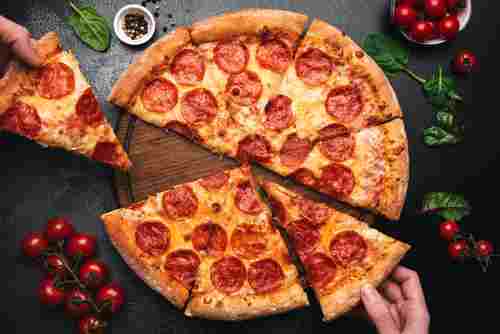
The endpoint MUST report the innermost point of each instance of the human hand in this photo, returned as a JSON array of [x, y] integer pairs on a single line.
[[400, 308], [15, 40]]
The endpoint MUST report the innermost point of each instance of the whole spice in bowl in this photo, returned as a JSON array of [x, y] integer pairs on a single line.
[[135, 25]]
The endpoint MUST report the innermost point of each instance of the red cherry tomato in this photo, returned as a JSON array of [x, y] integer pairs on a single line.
[[111, 293], [465, 62], [49, 294], [90, 324], [81, 244], [452, 4], [458, 249], [59, 229], [484, 248], [93, 273], [421, 31], [448, 229], [449, 26], [55, 266], [405, 16], [77, 303], [34, 244], [435, 8]]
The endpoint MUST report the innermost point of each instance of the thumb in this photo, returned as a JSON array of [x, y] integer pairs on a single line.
[[18, 39], [378, 311]]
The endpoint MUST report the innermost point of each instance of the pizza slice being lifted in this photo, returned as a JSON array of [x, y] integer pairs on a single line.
[[213, 239], [54, 105], [339, 253]]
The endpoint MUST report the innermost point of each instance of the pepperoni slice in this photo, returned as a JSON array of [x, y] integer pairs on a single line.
[[215, 181], [315, 213], [304, 176], [278, 209], [279, 114], [304, 236], [244, 88], [337, 180], [231, 56], [160, 95], [274, 55], [338, 148], [55, 81], [152, 238], [184, 130], [87, 108], [320, 270], [295, 151], [332, 131], [228, 274], [188, 67], [199, 106], [182, 265], [344, 103], [255, 148], [209, 238], [314, 67], [249, 241], [21, 118], [247, 200], [265, 276], [106, 152], [180, 202], [347, 248]]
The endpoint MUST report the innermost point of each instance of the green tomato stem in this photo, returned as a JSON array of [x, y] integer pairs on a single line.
[[414, 76]]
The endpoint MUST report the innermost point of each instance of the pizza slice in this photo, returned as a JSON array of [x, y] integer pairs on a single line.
[[213, 239], [55, 106], [339, 253]]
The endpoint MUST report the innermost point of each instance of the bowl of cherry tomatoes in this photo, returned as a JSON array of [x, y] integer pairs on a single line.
[[430, 22]]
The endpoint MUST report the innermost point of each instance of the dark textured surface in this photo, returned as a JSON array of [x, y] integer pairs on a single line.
[[38, 183]]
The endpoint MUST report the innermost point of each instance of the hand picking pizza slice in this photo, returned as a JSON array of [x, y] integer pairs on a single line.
[[211, 238], [55, 106], [339, 253]]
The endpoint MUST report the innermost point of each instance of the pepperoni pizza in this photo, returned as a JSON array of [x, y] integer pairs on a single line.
[[338, 252], [55, 106], [210, 244], [246, 85]]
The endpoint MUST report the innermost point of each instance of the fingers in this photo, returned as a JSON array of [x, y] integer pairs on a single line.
[[379, 311], [4, 59], [19, 41], [410, 284], [392, 291]]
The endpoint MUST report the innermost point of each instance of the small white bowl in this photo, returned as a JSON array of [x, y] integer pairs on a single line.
[[131, 9], [463, 18]]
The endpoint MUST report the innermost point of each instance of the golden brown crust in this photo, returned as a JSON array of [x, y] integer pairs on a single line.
[[131, 80], [247, 21], [10, 84], [170, 289], [48, 45]]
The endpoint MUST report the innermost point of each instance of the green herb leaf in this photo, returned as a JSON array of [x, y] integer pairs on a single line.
[[92, 28], [446, 205], [445, 120], [389, 54], [441, 92], [436, 136]]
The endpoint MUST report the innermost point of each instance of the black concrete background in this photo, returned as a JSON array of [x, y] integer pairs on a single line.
[[36, 183]]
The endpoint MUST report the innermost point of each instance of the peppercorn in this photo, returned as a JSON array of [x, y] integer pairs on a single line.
[[135, 25]]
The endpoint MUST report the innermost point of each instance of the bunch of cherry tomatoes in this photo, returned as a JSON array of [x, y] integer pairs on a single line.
[[428, 19], [73, 277]]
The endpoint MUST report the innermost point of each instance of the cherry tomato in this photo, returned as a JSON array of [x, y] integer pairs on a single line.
[[465, 62], [421, 31], [49, 294], [111, 293], [90, 324], [55, 266], [59, 229], [458, 249], [435, 8], [449, 26], [93, 273], [34, 244], [484, 248], [452, 4], [81, 244], [405, 16], [77, 303], [448, 229]]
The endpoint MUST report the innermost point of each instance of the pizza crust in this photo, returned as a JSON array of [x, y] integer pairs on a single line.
[[248, 21], [48, 46], [131, 80]]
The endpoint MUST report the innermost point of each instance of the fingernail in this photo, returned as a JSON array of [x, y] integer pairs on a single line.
[[368, 291]]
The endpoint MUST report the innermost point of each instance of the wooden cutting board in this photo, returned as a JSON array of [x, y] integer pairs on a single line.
[[162, 159]]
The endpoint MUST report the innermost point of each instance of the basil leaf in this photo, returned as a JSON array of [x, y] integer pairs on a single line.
[[389, 54], [436, 136], [447, 205], [445, 120], [91, 28], [441, 92]]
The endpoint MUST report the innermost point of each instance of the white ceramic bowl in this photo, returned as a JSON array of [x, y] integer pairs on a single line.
[[463, 18], [130, 9]]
